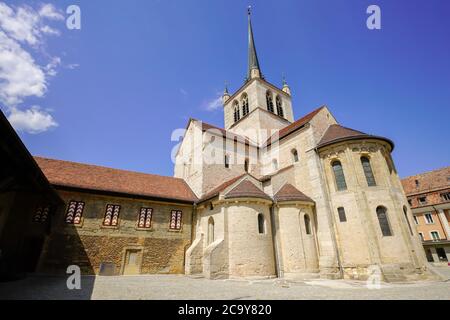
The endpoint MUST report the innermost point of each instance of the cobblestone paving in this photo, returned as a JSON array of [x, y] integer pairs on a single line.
[[184, 287]]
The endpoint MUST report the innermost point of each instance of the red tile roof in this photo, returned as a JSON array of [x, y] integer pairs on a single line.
[[246, 189], [217, 190], [427, 181], [91, 177], [294, 126], [289, 193], [337, 133]]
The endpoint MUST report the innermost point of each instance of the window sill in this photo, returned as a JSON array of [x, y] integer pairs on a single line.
[[109, 227], [175, 230]]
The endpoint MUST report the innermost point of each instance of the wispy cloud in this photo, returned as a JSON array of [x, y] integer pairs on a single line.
[[183, 92], [213, 104], [23, 30]]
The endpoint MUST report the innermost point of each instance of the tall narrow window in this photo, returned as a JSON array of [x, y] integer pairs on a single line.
[[307, 224], [145, 218], [341, 213], [210, 230], [237, 114], [384, 222], [275, 164], [279, 103], [368, 171], [269, 101], [246, 165], [227, 161], [339, 176], [245, 109], [416, 221], [405, 211], [74, 212], [261, 224], [175, 220], [41, 214], [294, 155], [111, 218], [429, 218]]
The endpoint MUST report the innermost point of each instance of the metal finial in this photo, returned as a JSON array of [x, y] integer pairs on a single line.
[[284, 79], [226, 87], [249, 10]]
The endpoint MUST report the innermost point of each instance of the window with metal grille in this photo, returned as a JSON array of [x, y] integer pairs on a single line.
[[269, 101], [341, 213], [41, 214], [175, 220], [74, 212], [111, 218], [145, 218], [339, 176], [368, 171], [384, 222]]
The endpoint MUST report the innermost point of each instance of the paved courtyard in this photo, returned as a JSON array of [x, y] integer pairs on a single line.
[[183, 287]]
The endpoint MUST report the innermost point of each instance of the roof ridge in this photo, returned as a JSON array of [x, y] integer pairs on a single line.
[[104, 167]]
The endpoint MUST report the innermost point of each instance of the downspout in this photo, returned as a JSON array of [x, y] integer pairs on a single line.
[[338, 254]]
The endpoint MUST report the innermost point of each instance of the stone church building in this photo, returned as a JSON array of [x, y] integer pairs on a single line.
[[265, 196]]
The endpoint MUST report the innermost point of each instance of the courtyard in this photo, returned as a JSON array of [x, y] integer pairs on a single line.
[[172, 287]]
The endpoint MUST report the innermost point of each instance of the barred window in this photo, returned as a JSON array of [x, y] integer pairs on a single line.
[[384, 222], [342, 216], [74, 212], [279, 106], [175, 220], [339, 176], [145, 218], [269, 101], [41, 214], [368, 171], [111, 215]]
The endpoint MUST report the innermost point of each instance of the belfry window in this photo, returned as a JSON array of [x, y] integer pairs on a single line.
[[368, 171], [237, 114], [111, 218], [383, 221], [269, 101], [279, 103], [307, 224], [339, 176], [294, 155], [245, 108], [74, 212]]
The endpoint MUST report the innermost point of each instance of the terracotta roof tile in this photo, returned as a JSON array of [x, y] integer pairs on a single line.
[[91, 177], [427, 181], [246, 189], [336, 133], [217, 190], [289, 193]]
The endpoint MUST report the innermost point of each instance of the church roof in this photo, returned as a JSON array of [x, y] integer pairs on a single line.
[[247, 189], [289, 193], [91, 177], [253, 62], [293, 126], [217, 190], [337, 133]]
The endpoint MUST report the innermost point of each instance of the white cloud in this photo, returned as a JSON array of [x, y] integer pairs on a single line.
[[33, 120], [22, 31], [214, 104], [183, 92]]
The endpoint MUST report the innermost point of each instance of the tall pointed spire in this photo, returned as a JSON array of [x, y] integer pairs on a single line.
[[254, 70]]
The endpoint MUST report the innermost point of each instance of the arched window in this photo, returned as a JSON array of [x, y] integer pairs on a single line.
[[279, 103], [210, 230], [245, 109], [269, 101], [384, 222], [368, 171], [405, 211], [274, 164], [237, 114], [261, 224], [227, 161], [339, 175], [294, 155], [307, 224]]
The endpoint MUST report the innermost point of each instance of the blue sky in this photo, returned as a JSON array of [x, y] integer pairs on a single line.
[[139, 69]]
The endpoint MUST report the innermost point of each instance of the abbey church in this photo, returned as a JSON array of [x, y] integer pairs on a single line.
[[265, 196]]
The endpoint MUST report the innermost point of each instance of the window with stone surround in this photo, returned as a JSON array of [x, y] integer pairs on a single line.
[[435, 235], [429, 218], [416, 220], [111, 218], [445, 196], [245, 109], [341, 213], [41, 214], [237, 113], [339, 175], [269, 101], [383, 221], [279, 103], [145, 218], [365, 162], [175, 220], [74, 212]]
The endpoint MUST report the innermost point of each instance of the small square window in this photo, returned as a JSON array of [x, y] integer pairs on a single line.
[[422, 200]]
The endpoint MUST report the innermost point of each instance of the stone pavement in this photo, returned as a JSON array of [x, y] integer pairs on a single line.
[[184, 287]]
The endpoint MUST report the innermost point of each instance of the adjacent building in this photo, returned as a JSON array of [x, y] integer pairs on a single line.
[[429, 198]]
